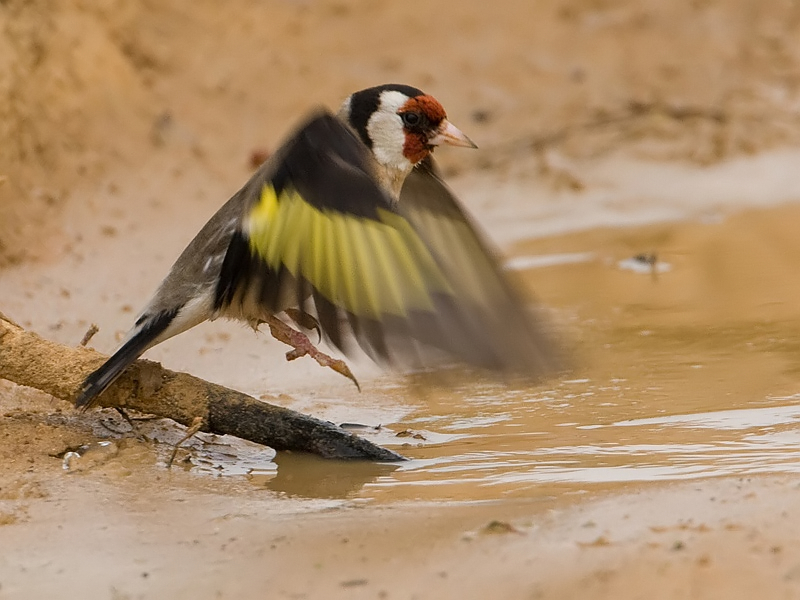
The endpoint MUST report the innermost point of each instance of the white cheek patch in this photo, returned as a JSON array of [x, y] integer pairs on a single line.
[[385, 129]]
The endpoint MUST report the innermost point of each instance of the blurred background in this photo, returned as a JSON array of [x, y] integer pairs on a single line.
[[637, 166], [92, 91]]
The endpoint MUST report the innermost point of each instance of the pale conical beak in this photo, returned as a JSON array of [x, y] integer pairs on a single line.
[[450, 134]]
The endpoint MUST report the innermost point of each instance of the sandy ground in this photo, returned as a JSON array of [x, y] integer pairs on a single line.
[[126, 124]]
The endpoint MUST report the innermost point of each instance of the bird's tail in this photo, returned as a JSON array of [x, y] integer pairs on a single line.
[[148, 329]]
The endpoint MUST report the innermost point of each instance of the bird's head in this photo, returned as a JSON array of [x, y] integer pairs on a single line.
[[400, 124]]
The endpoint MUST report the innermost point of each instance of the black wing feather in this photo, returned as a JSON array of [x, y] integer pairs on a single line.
[[473, 313]]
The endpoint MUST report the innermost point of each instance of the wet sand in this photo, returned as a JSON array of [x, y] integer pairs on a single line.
[[664, 465]]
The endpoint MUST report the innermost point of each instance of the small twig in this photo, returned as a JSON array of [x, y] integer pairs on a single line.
[[650, 259], [89, 334], [124, 415], [633, 111], [193, 429], [127, 419]]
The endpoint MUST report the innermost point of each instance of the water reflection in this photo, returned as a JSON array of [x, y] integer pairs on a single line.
[[309, 476]]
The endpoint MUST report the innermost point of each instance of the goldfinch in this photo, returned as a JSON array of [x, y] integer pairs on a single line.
[[348, 227]]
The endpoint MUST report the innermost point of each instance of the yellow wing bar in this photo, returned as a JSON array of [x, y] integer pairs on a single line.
[[366, 266]]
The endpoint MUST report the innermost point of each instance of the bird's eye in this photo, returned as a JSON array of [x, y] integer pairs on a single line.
[[411, 118]]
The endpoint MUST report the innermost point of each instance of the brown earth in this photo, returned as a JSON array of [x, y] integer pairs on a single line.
[[125, 124], [91, 91]]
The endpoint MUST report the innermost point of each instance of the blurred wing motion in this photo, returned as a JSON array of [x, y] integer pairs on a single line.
[[507, 334], [314, 231], [319, 233]]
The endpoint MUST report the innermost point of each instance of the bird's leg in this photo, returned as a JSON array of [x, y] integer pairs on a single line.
[[304, 320], [301, 346]]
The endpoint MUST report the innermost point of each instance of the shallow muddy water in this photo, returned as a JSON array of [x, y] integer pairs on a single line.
[[683, 369]]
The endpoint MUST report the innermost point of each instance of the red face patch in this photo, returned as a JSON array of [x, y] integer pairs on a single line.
[[416, 145], [428, 106]]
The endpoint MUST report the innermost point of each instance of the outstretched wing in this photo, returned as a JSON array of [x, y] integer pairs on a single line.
[[513, 336], [319, 233]]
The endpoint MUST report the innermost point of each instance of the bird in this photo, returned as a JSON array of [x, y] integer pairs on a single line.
[[349, 229]]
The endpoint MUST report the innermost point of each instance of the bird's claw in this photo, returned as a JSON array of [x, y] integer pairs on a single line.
[[302, 346]]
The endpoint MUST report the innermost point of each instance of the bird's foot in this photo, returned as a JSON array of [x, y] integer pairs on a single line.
[[302, 346]]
